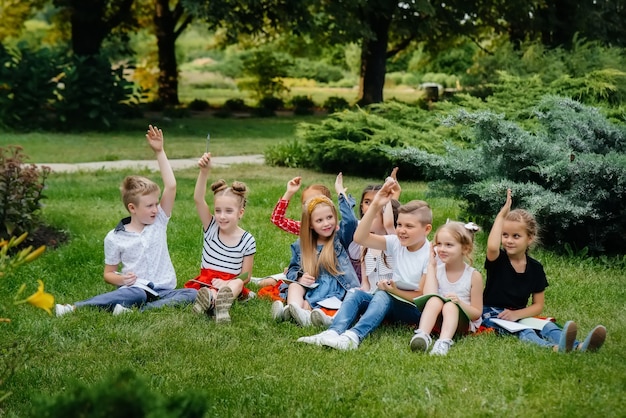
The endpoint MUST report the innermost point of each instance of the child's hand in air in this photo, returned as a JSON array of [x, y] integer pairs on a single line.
[[339, 184], [154, 136], [398, 190], [384, 195], [507, 205], [205, 161], [293, 186]]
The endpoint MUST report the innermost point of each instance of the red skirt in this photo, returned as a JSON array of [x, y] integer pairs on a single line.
[[206, 278]]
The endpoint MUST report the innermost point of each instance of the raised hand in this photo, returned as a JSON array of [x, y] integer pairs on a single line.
[[339, 184], [154, 136]]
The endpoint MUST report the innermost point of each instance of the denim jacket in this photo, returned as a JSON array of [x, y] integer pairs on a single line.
[[348, 277]]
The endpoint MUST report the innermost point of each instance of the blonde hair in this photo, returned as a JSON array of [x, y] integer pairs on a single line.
[[420, 209], [529, 221], [238, 189], [133, 187], [310, 261], [463, 234]]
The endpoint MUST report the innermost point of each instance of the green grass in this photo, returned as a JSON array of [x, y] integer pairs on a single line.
[[185, 138], [255, 367]]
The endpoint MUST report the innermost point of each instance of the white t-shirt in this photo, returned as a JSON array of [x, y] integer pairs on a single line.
[[409, 266], [144, 253]]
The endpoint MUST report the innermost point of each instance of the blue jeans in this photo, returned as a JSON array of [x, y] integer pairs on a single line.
[[548, 337], [134, 296], [373, 310]]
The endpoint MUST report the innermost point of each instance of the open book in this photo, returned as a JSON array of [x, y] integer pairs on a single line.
[[143, 284], [524, 323], [464, 319], [277, 277], [311, 286], [332, 302]]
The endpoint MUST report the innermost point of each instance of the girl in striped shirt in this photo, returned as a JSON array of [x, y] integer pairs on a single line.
[[228, 250]]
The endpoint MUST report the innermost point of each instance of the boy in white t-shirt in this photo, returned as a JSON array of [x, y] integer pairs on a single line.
[[394, 299]]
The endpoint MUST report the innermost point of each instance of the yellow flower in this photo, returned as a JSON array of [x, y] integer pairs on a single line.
[[40, 299]]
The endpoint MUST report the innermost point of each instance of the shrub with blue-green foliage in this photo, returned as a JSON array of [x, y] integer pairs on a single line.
[[570, 172]]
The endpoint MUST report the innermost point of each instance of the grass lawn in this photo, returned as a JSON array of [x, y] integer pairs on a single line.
[[255, 367], [185, 139]]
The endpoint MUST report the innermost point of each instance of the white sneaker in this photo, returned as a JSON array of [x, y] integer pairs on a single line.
[[320, 319], [317, 338], [346, 341], [204, 301], [441, 347], [119, 309], [223, 302], [61, 310], [278, 311], [301, 316], [420, 341]]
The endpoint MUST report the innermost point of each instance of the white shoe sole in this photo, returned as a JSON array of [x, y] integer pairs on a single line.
[[223, 302]]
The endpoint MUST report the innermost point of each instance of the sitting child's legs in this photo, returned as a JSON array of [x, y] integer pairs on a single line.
[[126, 296]]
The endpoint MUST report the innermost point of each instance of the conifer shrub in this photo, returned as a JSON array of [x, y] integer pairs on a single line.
[[570, 172], [358, 142]]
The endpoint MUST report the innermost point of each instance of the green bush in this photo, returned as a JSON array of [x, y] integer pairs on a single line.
[[93, 95], [50, 88], [21, 191], [235, 105], [198, 105], [27, 87], [302, 105], [291, 154], [315, 70], [268, 106], [264, 70], [410, 79], [356, 142], [335, 104], [123, 394], [570, 172]]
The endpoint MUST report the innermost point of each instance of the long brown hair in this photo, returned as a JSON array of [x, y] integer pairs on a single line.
[[310, 262]]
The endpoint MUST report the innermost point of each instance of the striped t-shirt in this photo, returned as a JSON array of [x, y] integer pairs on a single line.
[[220, 257]]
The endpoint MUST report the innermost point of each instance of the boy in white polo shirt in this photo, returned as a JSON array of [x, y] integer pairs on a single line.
[[138, 245]]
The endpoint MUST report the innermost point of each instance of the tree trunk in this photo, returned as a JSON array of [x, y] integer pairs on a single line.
[[88, 27], [374, 62], [165, 23]]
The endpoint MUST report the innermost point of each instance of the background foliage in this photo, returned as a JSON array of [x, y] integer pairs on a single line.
[[570, 172]]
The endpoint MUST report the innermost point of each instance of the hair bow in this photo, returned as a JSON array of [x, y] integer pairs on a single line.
[[472, 227]]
